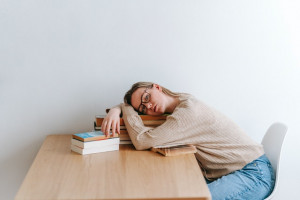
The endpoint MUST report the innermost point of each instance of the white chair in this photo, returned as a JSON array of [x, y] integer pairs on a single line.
[[272, 143]]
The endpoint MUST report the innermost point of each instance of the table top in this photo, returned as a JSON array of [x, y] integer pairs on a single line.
[[59, 173]]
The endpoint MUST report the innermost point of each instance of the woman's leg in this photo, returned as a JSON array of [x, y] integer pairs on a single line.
[[254, 182]]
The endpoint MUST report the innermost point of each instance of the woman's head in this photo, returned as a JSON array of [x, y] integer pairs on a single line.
[[149, 98]]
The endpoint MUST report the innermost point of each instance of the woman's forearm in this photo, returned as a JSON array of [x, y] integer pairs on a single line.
[[144, 137]]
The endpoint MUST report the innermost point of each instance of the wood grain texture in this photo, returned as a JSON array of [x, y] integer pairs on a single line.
[[58, 173]]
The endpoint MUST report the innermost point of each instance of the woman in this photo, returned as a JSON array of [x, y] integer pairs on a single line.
[[235, 167]]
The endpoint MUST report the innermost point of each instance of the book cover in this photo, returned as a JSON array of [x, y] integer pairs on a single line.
[[91, 136], [82, 151], [175, 150], [96, 143]]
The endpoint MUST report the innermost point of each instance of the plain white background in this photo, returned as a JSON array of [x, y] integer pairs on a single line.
[[63, 62]]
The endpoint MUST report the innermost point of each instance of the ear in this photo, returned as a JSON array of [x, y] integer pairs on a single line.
[[156, 86]]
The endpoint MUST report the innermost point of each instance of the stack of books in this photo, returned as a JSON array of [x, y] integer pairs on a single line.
[[94, 142], [148, 120]]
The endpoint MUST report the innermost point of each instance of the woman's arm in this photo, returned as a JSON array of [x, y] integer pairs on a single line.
[[173, 132], [112, 121]]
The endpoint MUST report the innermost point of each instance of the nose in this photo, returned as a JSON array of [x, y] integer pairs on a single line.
[[148, 105]]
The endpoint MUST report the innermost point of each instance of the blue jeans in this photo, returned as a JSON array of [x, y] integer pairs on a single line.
[[254, 182]]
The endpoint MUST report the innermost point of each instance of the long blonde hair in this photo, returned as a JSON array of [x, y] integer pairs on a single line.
[[134, 87]]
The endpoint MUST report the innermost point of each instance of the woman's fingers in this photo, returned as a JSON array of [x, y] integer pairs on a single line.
[[103, 126], [111, 122], [118, 126], [110, 126], [107, 128], [113, 127]]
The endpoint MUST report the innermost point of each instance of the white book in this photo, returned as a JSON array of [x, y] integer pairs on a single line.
[[96, 143], [114, 147]]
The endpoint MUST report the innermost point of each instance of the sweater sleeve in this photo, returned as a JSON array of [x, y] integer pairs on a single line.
[[170, 133]]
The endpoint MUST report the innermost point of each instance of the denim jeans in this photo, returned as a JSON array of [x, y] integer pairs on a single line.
[[254, 182]]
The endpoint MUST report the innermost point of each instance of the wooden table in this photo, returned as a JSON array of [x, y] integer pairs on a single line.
[[58, 173]]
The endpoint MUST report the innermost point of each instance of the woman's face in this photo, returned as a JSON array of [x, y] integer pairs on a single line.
[[150, 101]]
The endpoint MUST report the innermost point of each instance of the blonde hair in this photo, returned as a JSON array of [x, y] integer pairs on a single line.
[[134, 87]]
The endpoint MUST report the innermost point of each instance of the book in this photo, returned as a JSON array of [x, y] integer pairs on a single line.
[[145, 117], [126, 142], [96, 143], [100, 118], [91, 136], [149, 118], [100, 149], [99, 127], [175, 150], [153, 123], [124, 137], [122, 131]]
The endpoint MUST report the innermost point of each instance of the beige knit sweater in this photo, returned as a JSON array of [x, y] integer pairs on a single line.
[[222, 147]]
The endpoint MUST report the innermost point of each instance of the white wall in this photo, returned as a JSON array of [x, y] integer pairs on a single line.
[[63, 62]]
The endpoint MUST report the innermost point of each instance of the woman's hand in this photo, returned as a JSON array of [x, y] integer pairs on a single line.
[[111, 121]]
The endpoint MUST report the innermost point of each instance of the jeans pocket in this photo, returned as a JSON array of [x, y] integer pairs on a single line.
[[253, 169]]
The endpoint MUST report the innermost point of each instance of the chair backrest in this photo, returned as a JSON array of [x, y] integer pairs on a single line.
[[272, 143]]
